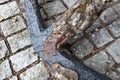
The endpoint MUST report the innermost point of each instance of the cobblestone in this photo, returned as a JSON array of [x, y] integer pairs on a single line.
[[82, 48], [5, 71], [12, 25], [108, 15], [40, 1], [116, 8], [70, 3], [3, 49], [2, 1], [101, 37], [19, 40], [23, 59], [114, 50], [113, 75], [100, 62], [115, 28], [14, 78], [43, 14], [8, 10], [55, 7], [38, 72]]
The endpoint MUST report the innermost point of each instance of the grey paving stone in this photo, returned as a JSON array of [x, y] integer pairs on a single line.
[[3, 49], [9, 9], [117, 8], [40, 1], [100, 62], [23, 59], [5, 71], [12, 25], [14, 78], [54, 8], [114, 50], [49, 22], [43, 14], [82, 48], [2, 1], [114, 76], [108, 15], [94, 26], [19, 40], [118, 69], [101, 37], [115, 28], [37, 72], [70, 3]]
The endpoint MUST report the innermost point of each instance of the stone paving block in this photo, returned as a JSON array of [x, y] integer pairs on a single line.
[[14, 78], [114, 50], [70, 3], [114, 76], [40, 1], [37, 72], [115, 28], [5, 71], [100, 62], [94, 26], [101, 37], [118, 69], [43, 14], [19, 40], [23, 59], [12, 25], [49, 22], [9, 9], [82, 48], [117, 8], [3, 49], [2, 1], [108, 15], [54, 8]]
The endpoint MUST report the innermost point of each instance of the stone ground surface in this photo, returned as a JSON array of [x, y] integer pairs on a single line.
[[99, 50]]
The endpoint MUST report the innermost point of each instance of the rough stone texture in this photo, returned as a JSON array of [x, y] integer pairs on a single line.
[[113, 75], [12, 25], [23, 59], [40, 1], [58, 72], [114, 50], [19, 40], [54, 8], [2, 1], [100, 62], [3, 49], [9, 9], [82, 48], [43, 14], [101, 37], [14, 78], [70, 3], [5, 71], [115, 28], [108, 15], [94, 26], [49, 22], [37, 72], [116, 8]]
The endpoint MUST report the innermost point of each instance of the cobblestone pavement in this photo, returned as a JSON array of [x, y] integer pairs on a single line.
[[18, 61], [99, 47]]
